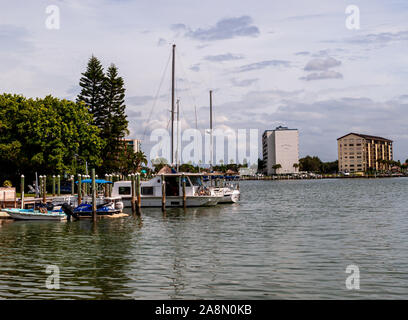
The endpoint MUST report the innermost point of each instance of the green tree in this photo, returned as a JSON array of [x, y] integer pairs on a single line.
[[130, 161], [139, 159], [276, 167], [186, 167], [46, 135], [115, 127], [310, 164], [159, 163], [92, 93]]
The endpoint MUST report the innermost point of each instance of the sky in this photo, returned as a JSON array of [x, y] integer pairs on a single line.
[[269, 63]]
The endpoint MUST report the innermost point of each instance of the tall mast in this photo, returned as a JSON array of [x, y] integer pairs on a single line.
[[172, 104], [178, 133], [211, 132], [195, 112]]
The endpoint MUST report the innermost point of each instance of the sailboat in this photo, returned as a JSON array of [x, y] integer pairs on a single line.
[[151, 193], [230, 192]]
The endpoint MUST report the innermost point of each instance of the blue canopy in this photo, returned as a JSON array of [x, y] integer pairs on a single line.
[[102, 181]]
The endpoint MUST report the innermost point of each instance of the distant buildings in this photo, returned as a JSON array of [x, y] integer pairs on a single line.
[[361, 152], [134, 143], [280, 148]]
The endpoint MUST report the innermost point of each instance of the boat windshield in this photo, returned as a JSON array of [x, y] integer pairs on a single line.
[[196, 181]]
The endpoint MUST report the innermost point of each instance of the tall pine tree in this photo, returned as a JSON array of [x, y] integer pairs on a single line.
[[116, 124], [92, 93], [105, 97]]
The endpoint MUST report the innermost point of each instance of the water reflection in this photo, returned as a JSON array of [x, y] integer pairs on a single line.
[[286, 239]]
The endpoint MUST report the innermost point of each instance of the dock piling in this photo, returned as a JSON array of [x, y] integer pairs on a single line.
[[22, 191], [138, 196], [53, 185], [163, 193], [79, 189], [44, 188], [58, 185], [111, 185], [133, 192], [106, 187], [93, 196], [72, 185], [183, 180]]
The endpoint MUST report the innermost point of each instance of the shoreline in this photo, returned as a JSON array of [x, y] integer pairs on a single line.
[[268, 178]]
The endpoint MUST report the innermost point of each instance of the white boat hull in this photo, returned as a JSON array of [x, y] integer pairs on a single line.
[[201, 201], [229, 196], [35, 216]]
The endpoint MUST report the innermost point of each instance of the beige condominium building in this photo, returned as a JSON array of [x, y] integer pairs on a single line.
[[361, 152], [133, 143], [280, 146]]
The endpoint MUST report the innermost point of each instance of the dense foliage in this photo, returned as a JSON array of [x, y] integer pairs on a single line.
[[49, 135], [314, 164]]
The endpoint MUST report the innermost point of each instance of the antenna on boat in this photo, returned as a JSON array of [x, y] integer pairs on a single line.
[[172, 103]]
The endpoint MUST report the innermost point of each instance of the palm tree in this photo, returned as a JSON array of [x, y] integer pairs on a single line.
[[276, 167], [140, 158], [296, 166]]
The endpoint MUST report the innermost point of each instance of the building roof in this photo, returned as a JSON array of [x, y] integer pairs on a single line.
[[365, 136], [279, 128]]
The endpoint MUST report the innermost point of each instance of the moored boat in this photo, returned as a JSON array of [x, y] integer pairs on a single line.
[[35, 214], [197, 195]]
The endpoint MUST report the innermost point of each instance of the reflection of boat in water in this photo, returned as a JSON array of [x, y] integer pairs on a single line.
[[197, 194], [36, 214]]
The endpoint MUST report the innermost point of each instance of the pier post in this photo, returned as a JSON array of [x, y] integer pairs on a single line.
[[93, 196], [40, 187], [106, 185], [86, 186], [163, 193], [183, 180], [133, 193], [45, 189], [138, 197], [72, 185], [22, 191], [111, 185], [58, 185], [79, 189], [53, 185]]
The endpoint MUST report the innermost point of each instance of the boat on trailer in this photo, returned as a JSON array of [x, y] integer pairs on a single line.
[[197, 194]]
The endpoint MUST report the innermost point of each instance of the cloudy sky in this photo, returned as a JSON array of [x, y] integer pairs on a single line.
[[269, 63]]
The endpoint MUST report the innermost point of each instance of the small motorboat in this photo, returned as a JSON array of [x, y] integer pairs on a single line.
[[36, 214], [85, 209]]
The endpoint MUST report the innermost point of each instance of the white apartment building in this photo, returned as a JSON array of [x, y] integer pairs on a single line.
[[280, 146]]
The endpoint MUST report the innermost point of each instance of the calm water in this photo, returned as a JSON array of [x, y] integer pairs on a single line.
[[285, 240]]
